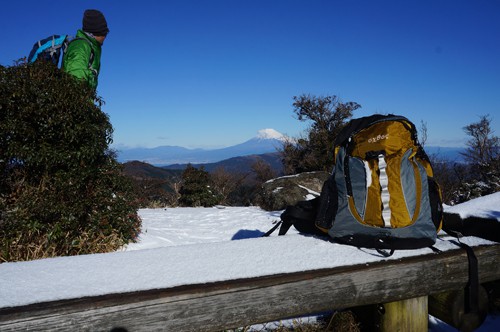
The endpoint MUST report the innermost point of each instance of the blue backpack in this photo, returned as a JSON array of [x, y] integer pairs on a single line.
[[49, 49], [52, 49]]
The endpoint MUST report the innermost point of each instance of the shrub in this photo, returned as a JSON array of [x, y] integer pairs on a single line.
[[483, 156], [197, 189], [61, 189], [327, 117]]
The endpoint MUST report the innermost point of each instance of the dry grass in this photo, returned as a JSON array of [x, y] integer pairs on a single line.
[[25, 247], [344, 321], [340, 321]]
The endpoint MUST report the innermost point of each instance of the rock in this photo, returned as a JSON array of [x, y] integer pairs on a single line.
[[278, 193]]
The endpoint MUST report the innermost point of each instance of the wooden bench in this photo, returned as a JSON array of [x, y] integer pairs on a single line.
[[400, 284]]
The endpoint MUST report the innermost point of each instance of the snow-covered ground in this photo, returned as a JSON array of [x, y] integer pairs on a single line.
[[199, 245]]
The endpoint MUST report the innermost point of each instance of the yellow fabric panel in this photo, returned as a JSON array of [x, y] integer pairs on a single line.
[[399, 211], [427, 166], [373, 211], [388, 136]]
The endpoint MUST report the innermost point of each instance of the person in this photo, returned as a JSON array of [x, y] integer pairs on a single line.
[[82, 58]]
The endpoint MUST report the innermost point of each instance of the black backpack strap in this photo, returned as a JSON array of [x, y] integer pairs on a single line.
[[471, 300], [286, 222], [301, 215], [271, 231], [486, 228], [385, 253], [328, 204]]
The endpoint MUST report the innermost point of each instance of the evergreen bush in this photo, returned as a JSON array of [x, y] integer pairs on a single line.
[[62, 191], [197, 189]]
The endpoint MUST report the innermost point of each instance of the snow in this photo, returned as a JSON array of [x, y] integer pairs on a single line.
[[177, 243], [311, 193], [270, 134], [486, 207]]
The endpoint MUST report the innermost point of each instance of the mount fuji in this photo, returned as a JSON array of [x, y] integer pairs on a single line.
[[266, 141]]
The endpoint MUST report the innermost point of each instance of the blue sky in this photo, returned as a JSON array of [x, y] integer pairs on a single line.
[[212, 73]]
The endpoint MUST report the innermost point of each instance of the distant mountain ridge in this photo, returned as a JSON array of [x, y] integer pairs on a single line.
[[267, 141], [453, 154], [240, 164]]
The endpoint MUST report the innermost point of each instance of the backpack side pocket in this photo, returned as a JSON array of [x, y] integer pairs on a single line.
[[328, 205]]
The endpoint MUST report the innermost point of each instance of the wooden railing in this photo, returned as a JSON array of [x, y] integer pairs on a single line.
[[236, 303]]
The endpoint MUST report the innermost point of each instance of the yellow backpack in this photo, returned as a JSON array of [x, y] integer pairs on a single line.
[[381, 193]]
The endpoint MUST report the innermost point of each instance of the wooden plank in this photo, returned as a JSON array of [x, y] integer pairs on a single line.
[[217, 306], [405, 315]]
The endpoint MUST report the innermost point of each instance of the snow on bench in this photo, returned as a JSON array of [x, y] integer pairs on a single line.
[[217, 285]]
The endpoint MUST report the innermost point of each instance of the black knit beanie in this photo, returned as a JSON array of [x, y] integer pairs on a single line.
[[95, 23]]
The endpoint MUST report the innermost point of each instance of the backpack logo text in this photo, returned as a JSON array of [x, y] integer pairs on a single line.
[[378, 138]]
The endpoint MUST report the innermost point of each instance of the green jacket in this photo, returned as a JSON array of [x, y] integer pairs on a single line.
[[77, 57]]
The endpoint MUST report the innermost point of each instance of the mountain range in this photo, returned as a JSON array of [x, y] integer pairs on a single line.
[[267, 141]]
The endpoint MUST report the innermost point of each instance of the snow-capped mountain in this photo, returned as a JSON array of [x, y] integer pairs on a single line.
[[270, 134], [266, 141]]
